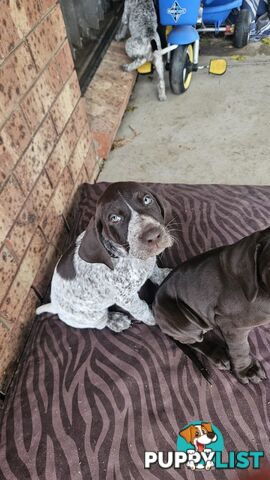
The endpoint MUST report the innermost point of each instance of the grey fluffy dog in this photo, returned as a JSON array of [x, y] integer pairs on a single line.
[[140, 20]]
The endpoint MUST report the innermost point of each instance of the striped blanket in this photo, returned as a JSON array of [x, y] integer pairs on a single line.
[[86, 404], [260, 25]]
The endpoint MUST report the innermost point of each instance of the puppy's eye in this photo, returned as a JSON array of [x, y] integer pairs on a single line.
[[196, 434], [115, 218], [147, 200]]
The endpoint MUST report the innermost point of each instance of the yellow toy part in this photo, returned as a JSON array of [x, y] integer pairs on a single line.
[[145, 69], [217, 66]]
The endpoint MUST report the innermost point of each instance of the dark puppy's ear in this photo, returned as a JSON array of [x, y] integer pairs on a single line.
[[241, 262], [164, 206], [264, 263], [92, 249]]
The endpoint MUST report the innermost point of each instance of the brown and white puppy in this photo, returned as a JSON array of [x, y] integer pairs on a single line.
[[111, 260], [228, 288], [200, 436]]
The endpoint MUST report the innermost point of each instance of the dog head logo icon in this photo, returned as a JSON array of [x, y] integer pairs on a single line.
[[199, 435], [200, 440]]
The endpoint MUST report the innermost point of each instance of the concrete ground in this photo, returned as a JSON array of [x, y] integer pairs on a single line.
[[217, 132]]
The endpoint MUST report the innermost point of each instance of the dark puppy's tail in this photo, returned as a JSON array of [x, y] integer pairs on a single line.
[[190, 353]]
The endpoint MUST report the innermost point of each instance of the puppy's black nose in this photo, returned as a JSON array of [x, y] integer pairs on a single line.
[[210, 434], [151, 235]]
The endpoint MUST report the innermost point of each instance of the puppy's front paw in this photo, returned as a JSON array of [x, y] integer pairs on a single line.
[[162, 97], [150, 319], [118, 321], [255, 373]]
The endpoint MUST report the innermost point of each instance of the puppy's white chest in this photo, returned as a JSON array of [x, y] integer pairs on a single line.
[[131, 274]]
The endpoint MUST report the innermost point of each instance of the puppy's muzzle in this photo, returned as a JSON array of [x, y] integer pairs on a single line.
[[151, 236]]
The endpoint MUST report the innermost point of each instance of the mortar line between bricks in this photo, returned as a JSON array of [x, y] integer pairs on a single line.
[[39, 75], [5, 323], [53, 192], [24, 38], [36, 131]]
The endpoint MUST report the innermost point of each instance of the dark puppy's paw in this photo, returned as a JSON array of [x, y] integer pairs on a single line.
[[255, 373], [220, 358]]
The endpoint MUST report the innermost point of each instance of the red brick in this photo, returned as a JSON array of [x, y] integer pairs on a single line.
[[16, 133], [11, 200], [13, 139], [25, 14], [64, 61], [47, 37], [19, 289], [26, 223], [42, 95], [8, 268], [44, 275], [80, 152], [82, 178], [70, 135], [33, 109], [9, 36], [15, 339], [62, 192], [57, 161], [90, 161], [66, 103], [46, 4], [35, 157], [58, 204], [4, 334], [60, 235], [80, 117], [16, 75], [49, 221]]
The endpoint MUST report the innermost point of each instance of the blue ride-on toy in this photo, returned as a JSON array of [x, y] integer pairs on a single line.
[[226, 16], [184, 20], [183, 40]]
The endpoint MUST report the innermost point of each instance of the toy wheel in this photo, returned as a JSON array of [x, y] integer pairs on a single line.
[[181, 66], [242, 29]]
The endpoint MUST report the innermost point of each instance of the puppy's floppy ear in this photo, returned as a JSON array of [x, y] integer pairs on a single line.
[[241, 262], [164, 205], [188, 433], [92, 249]]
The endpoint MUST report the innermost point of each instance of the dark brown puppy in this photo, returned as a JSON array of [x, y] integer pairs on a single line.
[[228, 288]]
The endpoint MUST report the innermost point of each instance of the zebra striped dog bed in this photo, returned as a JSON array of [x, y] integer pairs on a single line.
[[87, 404]]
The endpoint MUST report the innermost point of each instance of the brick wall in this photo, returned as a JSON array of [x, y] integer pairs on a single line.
[[46, 151]]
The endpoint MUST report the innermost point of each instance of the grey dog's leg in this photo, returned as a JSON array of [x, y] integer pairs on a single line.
[[123, 29], [138, 62], [246, 368], [158, 62], [118, 321], [122, 32]]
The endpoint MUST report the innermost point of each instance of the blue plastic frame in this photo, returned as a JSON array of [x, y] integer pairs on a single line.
[[183, 35]]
